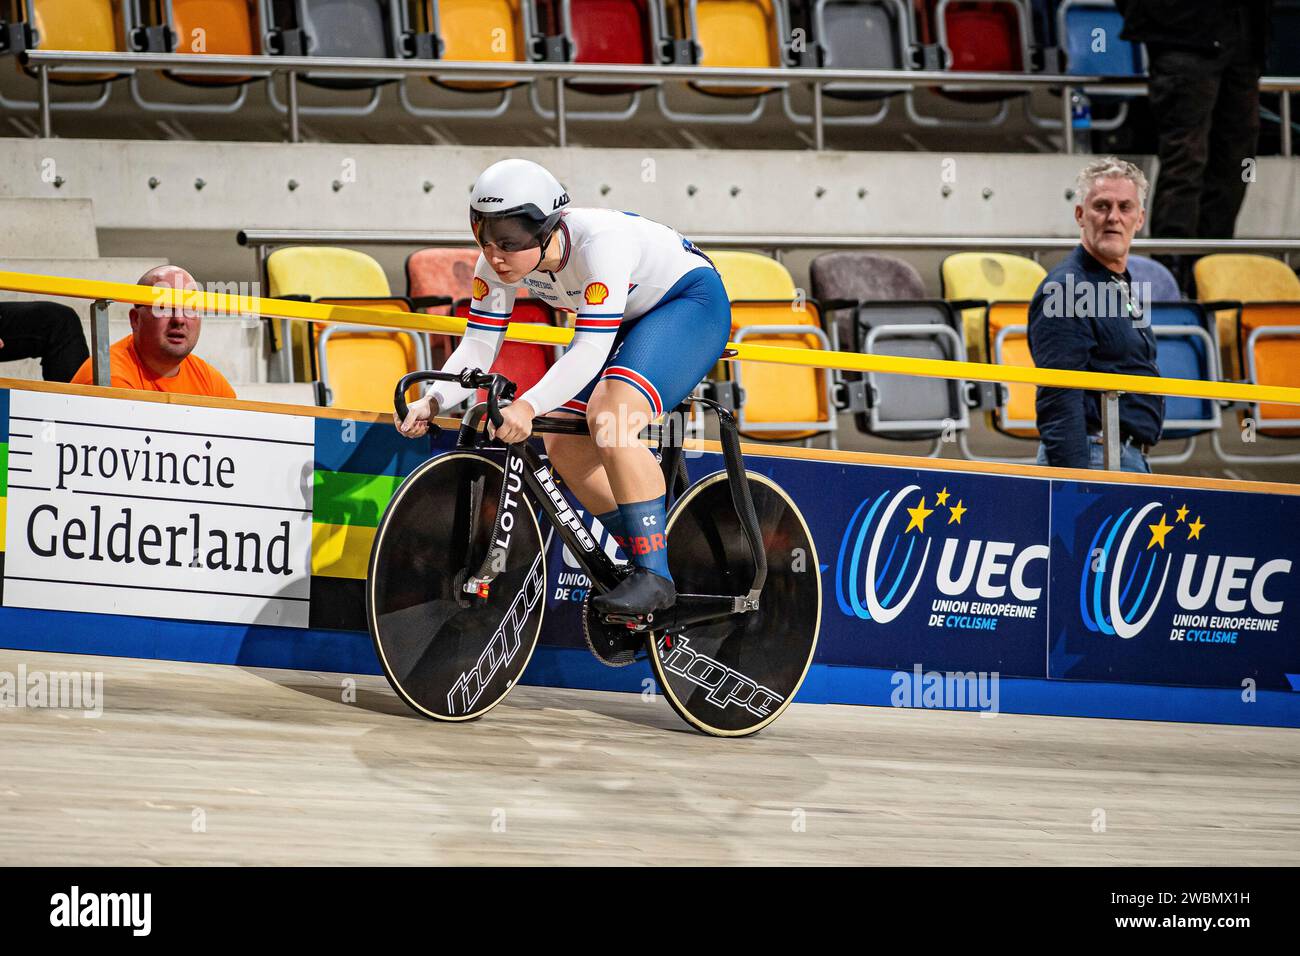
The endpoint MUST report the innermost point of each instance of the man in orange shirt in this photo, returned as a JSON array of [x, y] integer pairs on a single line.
[[156, 357]]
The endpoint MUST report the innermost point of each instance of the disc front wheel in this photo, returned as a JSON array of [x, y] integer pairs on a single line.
[[453, 656]]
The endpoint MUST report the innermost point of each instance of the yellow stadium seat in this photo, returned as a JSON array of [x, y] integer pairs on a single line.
[[777, 394], [1017, 416], [1259, 335], [90, 25], [1232, 277], [481, 30], [1270, 350], [358, 367], [226, 27], [990, 277], [316, 272], [736, 33], [1245, 278], [324, 270], [747, 275], [765, 310]]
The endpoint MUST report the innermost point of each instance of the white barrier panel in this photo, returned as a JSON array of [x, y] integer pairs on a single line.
[[157, 510]]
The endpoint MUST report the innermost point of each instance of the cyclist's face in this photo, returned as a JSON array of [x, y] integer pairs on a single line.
[[510, 245], [511, 265]]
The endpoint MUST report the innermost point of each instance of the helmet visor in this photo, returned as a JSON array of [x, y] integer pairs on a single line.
[[508, 233]]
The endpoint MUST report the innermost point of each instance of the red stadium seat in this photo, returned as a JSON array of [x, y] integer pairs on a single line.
[[439, 273], [601, 31], [521, 362], [975, 36], [983, 37]]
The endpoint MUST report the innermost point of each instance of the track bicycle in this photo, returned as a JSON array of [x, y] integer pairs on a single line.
[[457, 580]]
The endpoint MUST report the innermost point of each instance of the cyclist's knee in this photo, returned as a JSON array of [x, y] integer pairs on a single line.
[[570, 454], [616, 414]]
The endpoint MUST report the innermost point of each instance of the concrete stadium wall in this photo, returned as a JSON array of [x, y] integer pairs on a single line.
[[384, 187]]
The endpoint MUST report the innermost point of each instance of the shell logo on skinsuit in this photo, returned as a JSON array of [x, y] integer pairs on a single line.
[[480, 288], [595, 293]]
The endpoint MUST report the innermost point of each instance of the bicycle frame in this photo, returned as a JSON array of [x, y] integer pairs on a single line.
[[524, 468]]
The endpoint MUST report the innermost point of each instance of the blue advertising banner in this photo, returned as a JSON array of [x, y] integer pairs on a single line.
[[928, 567], [1174, 586], [917, 566]]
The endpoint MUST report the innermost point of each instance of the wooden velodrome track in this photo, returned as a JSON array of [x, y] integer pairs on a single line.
[[212, 764]]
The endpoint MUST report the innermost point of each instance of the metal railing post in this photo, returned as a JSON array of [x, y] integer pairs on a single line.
[[47, 125], [1110, 444], [1286, 122], [1067, 119], [293, 107], [286, 351], [100, 367], [561, 124], [819, 123]]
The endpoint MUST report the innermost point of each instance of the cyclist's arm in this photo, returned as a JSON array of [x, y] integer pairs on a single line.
[[489, 314], [604, 299]]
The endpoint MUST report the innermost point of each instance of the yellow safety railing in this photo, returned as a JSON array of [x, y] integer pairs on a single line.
[[218, 303]]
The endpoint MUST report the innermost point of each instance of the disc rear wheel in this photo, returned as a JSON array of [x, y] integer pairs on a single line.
[[734, 677]]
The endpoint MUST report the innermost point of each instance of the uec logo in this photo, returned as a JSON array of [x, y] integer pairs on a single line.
[[1109, 578], [871, 593]]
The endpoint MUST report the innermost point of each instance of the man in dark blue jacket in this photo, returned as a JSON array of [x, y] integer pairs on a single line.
[[1088, 316]]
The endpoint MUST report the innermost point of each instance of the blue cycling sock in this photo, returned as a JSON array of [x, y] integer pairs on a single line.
[[647, 544], [615, 525]]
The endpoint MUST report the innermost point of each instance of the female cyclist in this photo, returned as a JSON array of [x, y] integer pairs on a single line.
[[652, 319]]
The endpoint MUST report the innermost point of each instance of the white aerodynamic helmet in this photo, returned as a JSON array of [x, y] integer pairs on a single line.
[[516, 204]]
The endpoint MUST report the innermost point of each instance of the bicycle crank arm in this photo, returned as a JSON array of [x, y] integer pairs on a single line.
[[689, 611], [694, 609]]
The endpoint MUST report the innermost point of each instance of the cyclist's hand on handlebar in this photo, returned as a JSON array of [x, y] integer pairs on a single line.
[[417, 420], [516, 422]]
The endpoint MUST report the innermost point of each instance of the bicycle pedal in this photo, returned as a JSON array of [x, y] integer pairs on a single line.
[[616, 641], [635, 622]]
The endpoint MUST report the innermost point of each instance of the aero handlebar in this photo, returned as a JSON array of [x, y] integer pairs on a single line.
[[498, 387]]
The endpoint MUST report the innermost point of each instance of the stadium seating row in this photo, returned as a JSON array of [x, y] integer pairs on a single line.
[[1079, 37], [1245, 327]]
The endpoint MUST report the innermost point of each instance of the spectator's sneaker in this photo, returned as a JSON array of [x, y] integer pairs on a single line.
[[641, 592]]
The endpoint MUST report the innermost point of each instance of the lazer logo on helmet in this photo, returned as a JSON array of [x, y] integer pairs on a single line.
[[563, 511], [503, 647], [976, 583], [486, 199], [1217, 596], [563, 200], [725, 686]]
